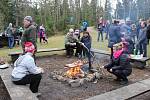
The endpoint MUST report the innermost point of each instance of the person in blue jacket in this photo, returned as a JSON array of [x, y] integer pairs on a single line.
[[114, 35], [85, 25], [86, 40]]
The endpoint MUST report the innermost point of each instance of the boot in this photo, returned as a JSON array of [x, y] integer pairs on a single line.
[[124, 82]]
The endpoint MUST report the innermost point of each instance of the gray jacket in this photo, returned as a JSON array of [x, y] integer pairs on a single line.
[[142, 38]]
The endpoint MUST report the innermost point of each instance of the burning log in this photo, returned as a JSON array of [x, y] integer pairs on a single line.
[[74, 70]]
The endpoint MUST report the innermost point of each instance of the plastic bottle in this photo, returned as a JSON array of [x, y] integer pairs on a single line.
[[134, 52], [138, 53]]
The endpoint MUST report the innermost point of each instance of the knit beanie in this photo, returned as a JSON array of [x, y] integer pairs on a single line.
[[28, 18], [29, 47]]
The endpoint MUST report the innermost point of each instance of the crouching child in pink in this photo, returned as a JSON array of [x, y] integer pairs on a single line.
[[120, 64]]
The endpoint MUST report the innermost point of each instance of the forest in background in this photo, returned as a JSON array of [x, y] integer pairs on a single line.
[[59, 15]]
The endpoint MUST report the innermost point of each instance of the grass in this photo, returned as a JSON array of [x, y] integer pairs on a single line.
[[57, 41]]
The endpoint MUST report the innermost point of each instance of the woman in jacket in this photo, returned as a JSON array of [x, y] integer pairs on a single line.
[[120, 65]]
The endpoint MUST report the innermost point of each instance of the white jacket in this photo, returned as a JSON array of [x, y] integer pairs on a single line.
[[23, 66]]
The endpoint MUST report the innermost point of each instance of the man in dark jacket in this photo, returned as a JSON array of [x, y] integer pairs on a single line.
[[29, 34], [114, 35], [148, 31]]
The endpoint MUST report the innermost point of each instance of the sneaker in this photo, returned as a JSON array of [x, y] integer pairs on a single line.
[[4, 66]]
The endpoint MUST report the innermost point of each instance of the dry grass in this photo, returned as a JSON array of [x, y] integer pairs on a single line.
[[58, 42]]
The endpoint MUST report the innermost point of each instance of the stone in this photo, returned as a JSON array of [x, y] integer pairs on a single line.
[[75, 83], [90, 77], [98, 75]]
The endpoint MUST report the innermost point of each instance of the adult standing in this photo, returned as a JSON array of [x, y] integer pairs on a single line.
[[9, 32], [100, 31], [29, 34], [142, 40], [114, 36], [148, 30]]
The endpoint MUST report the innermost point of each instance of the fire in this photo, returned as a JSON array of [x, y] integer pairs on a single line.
[[74, 69]]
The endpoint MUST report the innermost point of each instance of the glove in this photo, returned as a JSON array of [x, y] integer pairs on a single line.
[[102, 67], [110, 70]]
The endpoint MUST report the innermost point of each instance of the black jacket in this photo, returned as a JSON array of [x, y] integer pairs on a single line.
[[148, 32], [120, 63]]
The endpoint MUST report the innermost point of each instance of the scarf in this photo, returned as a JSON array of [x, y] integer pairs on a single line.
[[117, 53]]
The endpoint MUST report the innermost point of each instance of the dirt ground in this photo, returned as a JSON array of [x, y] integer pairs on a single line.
[[56, 90]]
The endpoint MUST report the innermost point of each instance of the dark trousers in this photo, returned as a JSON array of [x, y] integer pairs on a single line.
[[32, 79], [111, 55], [121, 74], [143, 49], [100, 33], [10, 42], [70, 51], [44, 39]]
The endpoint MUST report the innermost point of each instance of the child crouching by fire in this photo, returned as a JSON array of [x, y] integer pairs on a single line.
[[120, 65]]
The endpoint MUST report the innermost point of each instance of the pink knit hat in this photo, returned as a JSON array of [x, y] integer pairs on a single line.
[[29, 47]]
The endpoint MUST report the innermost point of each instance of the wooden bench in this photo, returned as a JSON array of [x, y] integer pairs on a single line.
[[140, 63], [16, 92], [15, 55], [100, 51], [126, 92]]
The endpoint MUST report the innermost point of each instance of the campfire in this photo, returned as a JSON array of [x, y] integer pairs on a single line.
[[75, 75], [74, 70]]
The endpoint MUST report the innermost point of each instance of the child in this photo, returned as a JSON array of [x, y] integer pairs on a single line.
[[86, 40], [120, 65], [45, 38]]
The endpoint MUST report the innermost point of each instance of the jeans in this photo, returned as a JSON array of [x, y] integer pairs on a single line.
[[143, 49], [10, 42]]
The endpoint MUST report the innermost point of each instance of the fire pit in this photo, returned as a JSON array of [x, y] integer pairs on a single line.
[[61, 90], [76, 74]]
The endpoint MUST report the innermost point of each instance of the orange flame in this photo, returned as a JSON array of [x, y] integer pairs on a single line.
[[74, 70]]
